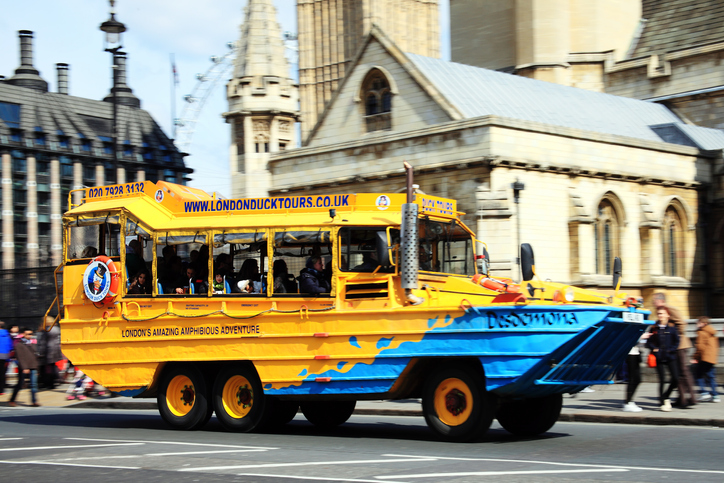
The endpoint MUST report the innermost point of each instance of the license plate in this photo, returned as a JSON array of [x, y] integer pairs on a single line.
[[633, 317]]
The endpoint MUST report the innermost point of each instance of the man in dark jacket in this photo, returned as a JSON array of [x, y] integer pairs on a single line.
[[27, 367], [664, 342], [311, 279]]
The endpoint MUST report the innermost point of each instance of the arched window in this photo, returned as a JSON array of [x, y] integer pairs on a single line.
[[607, 228], [377, 97], [673, 242]]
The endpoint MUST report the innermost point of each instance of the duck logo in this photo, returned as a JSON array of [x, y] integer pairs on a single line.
[[382, 202], [96, 281]]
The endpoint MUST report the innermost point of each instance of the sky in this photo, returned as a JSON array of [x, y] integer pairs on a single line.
[[68, 31]]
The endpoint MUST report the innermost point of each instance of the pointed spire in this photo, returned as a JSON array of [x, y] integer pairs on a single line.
[[261, 49]]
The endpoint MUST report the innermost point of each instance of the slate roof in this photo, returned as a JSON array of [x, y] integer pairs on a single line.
[[78, 118], [475, 92], [676, 24]]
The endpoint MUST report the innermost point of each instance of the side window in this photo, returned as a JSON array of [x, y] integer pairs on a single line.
[[182, 263], [445, 247], [302, 262], [93, 235], [240, 263], [139, 259], [358, 249]]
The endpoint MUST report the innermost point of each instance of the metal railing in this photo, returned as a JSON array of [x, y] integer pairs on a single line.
[[25, 294]]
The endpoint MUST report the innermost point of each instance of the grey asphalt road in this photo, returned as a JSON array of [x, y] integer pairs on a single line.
[[46, 444]]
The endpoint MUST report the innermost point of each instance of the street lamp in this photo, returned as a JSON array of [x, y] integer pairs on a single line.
[[517, 188], [113, 29]]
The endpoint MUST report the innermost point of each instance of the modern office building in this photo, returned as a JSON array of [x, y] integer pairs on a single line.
[[52, 143]]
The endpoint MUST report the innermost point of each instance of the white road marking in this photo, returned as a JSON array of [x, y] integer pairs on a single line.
[[31, 448], [553, 463], [23, 462], [501, 473], [161, 454], [211, 445], [315, 478], [9, 439], [308, 463]]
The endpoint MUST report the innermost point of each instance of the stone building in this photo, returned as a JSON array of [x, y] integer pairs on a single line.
[[263, 101], [52, 143], [604, 176], [664, 51], [331, 33]]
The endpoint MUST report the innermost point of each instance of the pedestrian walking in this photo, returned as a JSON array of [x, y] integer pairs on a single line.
[[687, 393], [27, 367], [663, 342], [6, 352], [633, 367], [48, 355], [78, 387], [707, 353]]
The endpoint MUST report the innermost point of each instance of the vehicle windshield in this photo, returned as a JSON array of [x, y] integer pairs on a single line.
[[93, 235], [445, 248]]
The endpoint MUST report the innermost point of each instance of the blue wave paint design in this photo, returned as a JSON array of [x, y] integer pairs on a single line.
[[353, 342], [384, 342], [509, 341]]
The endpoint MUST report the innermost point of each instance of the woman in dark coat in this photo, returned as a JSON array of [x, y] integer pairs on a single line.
[[311, 279], [664, 342]]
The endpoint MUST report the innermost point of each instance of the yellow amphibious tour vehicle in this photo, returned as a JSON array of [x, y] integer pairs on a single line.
[[255, 308]]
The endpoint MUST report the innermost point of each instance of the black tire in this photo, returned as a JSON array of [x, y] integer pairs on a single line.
[[328, 414], [239, 398], [530, 417], [278, 413], [456, 405], [183, 398]]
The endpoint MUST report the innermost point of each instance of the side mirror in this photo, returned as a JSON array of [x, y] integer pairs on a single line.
[[527, 261], [484, 262], [616, 273], [381, 248]]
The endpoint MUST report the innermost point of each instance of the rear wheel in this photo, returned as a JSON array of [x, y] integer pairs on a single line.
[[182, 398], [328, 414], [456, 405], [529, 417], [279, 412], [238, 398]]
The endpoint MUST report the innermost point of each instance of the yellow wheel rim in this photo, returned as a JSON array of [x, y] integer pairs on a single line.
[[180, 395], [238, 397], [453, 402]]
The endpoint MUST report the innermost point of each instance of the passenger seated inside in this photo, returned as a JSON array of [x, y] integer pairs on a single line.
[[198, 284], [134, 257], [174, 278], [424, 259], [89, 252], [369, 260], [283, 281], [311, 278], [141, 284], [249, 278], [218, 285]]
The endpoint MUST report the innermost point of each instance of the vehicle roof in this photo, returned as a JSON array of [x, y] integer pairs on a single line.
[[167, 206]]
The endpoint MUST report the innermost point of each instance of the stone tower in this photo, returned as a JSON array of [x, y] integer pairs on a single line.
[[263, 101], [561, 41], [331, 32]]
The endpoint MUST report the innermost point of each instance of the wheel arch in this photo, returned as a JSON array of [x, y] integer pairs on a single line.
[[412, 379]]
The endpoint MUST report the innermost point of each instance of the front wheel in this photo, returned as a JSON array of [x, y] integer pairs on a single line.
[[530, 417], [328, 414], [238, 398], [456, 405], [182, 398]]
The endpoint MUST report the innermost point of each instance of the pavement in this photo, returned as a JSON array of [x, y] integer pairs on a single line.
[[604, 405]]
